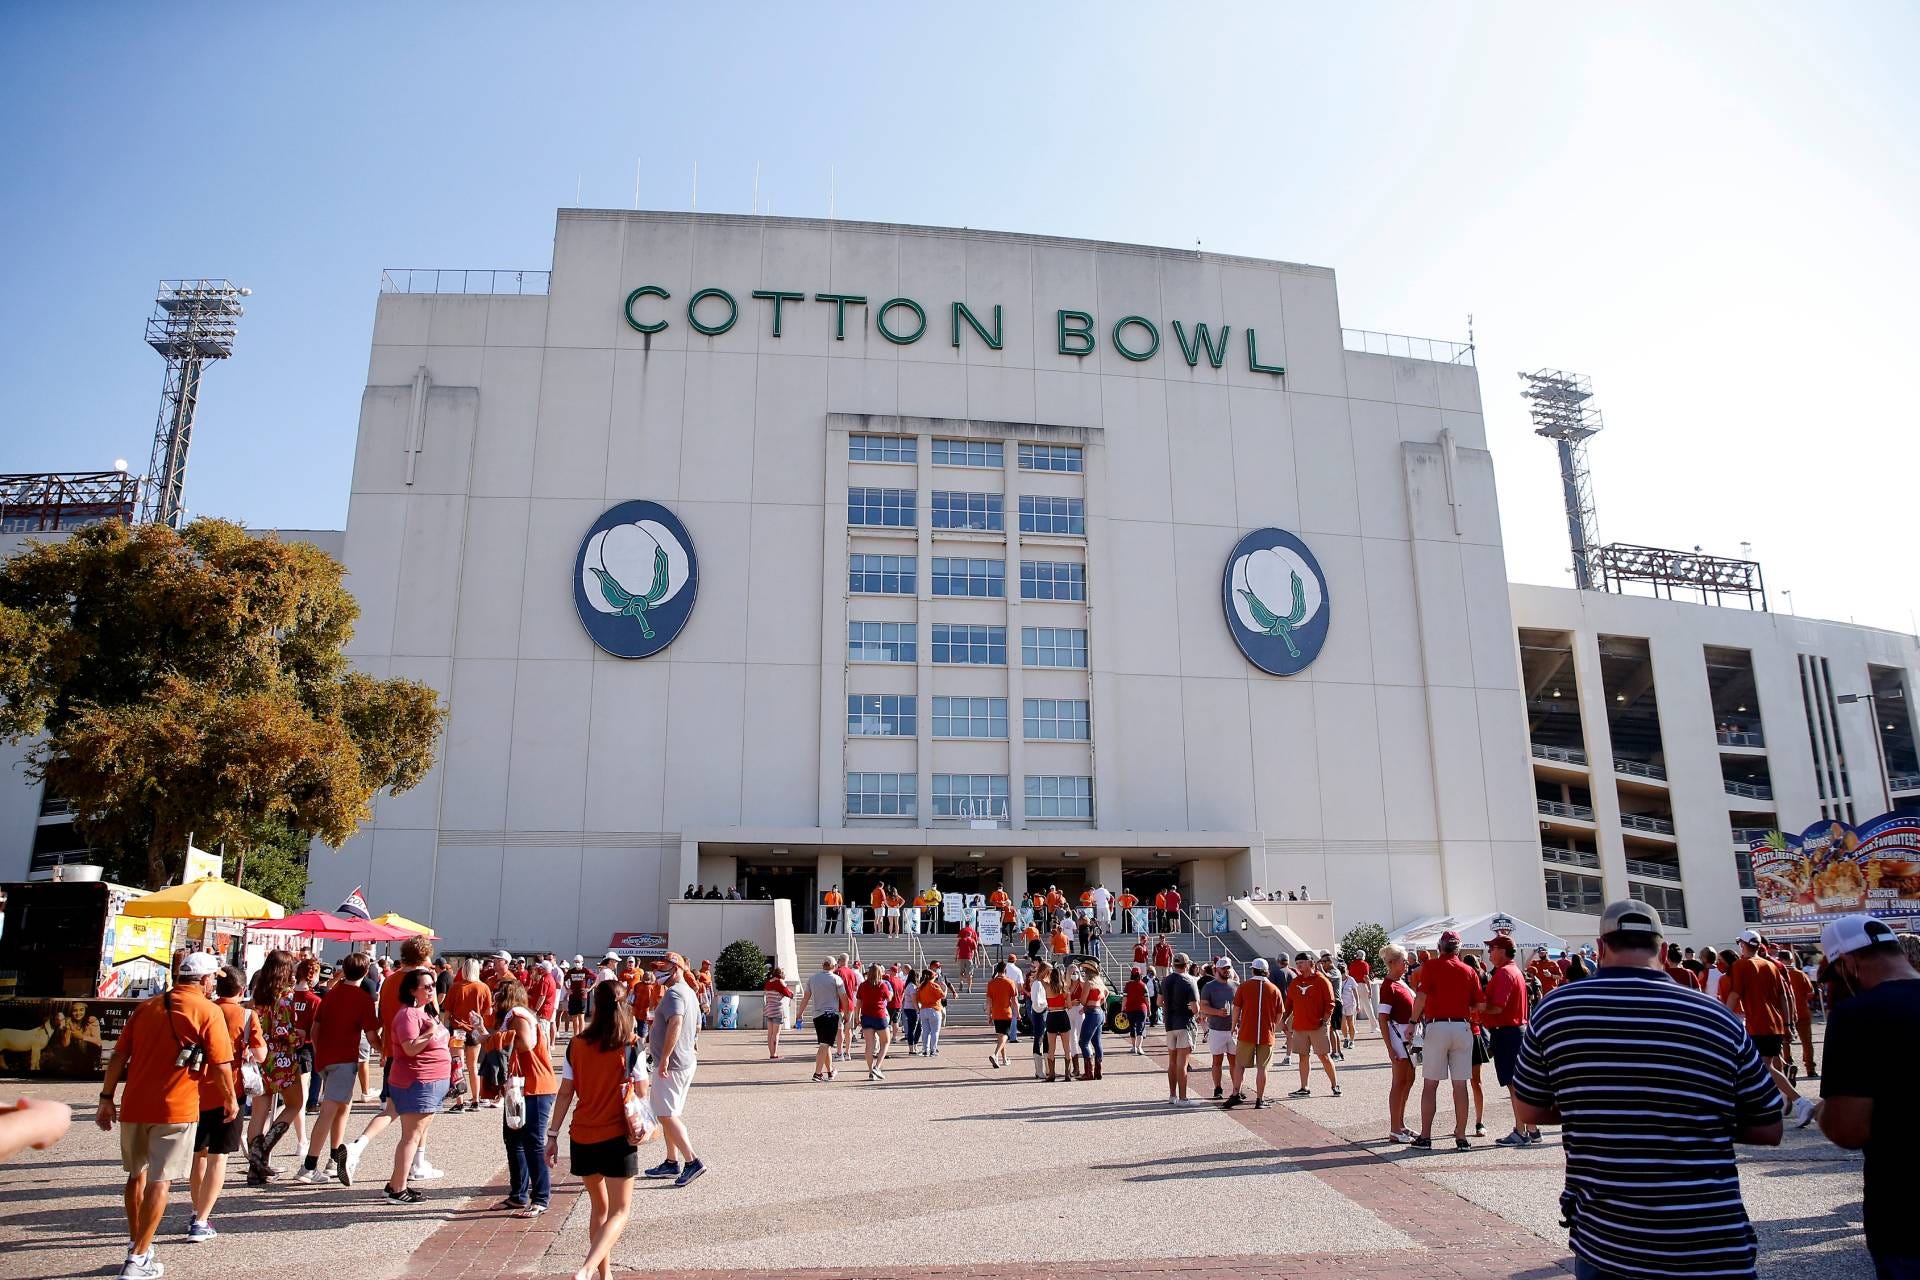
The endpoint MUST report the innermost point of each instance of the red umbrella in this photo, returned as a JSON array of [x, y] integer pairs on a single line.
[[315, 923]]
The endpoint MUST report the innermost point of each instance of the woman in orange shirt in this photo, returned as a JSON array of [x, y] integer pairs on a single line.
[[931, 999], [1093, 1018], [1059, 1021], [596, 1075], [528, 1186]]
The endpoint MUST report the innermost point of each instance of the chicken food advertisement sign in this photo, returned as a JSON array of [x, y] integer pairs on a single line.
[[1836, 869]]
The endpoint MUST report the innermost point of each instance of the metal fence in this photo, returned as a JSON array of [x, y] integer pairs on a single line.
[[1640, 822], [1556, 809], [1567, 755], [463, 280], [1638, 770], [1437, 350]]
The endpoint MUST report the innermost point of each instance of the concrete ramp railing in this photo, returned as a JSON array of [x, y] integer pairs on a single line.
[[1269, 936]]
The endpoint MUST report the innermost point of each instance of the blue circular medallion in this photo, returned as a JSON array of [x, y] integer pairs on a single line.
[[635, 579], [1276, 601]]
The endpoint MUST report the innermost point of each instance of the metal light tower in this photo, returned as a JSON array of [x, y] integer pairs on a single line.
[[1561, 414], [193, 321]]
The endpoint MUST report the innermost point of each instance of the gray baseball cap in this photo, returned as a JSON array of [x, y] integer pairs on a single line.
[[1630, 915]]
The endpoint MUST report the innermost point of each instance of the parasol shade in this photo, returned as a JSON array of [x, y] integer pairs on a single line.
[[413, 928], [205, 900], [322, 924]]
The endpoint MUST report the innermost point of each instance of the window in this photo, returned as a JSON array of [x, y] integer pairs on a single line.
[[976, 644], [865, 448], [1053, 646], [1667, 899], [1057, 720], [1750, 910], [1050, 457], [1567, 891], [960, 576], [983, 511], [881, 642], [880, 715], [1042, 514], [881, 508], [1743, 867], [969, 717], [1050, 797], [881, 795], [881, 575], [969, 453], [969, 795], [1051, 580]]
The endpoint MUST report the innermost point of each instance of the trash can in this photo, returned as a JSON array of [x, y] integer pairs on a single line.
[[729, 1013]]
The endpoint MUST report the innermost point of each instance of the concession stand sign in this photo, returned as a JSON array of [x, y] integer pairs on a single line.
[[1836, 869]]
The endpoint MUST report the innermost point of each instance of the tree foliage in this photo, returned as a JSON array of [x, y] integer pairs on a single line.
[[272, 862], [1365, 941], [192, 682], [742, 966]]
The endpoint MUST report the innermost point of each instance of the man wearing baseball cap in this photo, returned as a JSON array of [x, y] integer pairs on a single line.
[[1756, 989], [1449, 989], [670, 1042], [1872, 1036], [1652, 1085]]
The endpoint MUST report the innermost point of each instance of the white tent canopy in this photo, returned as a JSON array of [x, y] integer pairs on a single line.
[[1474, 930]]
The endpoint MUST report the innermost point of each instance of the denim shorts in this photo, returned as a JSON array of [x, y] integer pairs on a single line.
[[421, 1099]]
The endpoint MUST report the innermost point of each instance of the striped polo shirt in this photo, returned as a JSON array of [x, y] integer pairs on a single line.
[[1650, 1080]]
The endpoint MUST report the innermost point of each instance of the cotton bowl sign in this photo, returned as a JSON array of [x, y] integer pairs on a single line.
[[1276, 601], [635, 579]]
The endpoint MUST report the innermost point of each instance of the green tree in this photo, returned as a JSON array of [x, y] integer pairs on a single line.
[[1365, 941], [742, 966], [192, 682], [270, 861]]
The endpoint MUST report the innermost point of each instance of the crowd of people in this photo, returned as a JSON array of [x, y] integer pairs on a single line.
[[1097, 910]]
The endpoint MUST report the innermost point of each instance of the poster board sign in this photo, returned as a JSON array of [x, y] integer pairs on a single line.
[[1025, 917], [1836, 869], [201, 865], [912, 917], [60, 1038], [856, 919], [987, 921], [1219, 921], [1140, 922], [640, 942], [953, 908]]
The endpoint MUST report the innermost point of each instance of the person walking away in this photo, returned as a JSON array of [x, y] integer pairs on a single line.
[[306, 1003], [1873, 1033], [1134, 1004], [1093, 1020], [1020, 1013], [169, 1045], [1801, 987], [469, 1001], [1362, 974], [824, 994], [1037, 988], [1309, 1007], [594, 1083], [273, 1008], [1216, 1006], [1503, 1012], [902, 1006], [1349, 1005], [1448, 991], [1003, 998], [346, 1013], [1336, 1037], [1756, 989], [964, 947], [1482, 1054], [671, 1044], [1178, 997], [849, 1017], [543, 1000], [415, 955], [216, 1137], [578, 981], [1650, 1105], [518, 1034], [1173, 908], [930, 997], [773, 1007], [1396, 1030], [1256, 1006], [417, 1081], [873, 994]]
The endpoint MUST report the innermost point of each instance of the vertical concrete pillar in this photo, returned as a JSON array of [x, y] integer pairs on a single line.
[[1240, 873], [1106, 871], [829, 873], [1016, 876], [922, 875]]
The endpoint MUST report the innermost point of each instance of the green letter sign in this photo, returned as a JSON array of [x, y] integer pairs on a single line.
[[960, 312], [1253, 358], [1075, 339], [646, 291], [900, 339], [1201, 338], [840, 301], [1120, 345], [778, 296], [711, 330]]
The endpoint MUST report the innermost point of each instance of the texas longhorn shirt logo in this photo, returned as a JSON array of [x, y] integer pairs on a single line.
[[635, 579]]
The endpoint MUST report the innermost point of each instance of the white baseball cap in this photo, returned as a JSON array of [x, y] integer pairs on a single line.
[[1853, 933], [1751, 937], [501, 955], [1257, 966], [199, 964]]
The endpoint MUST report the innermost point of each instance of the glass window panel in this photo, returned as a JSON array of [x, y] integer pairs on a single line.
[[1052, 580], [881, 642], [969, 717], [886, 795], [1050, 457], [871, 448], [976, 644], [970, 795], [969, 576], [880, 715], [1053, 646], [1057, 720], [881, 575], [881, 508], [969, 453], [1041, 513]]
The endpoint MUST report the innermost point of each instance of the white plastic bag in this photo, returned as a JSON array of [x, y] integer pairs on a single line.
[[641, 1120], [514, 1108]]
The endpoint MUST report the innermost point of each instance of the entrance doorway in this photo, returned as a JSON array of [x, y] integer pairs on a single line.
[[793, 883], [1071, 878], [860, 881], [1144, 880]]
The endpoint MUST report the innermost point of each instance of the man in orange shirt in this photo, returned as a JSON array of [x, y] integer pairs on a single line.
[[1160, 910], [169, 1045], [1124, 904], [830, 918], [1031, 936], [1802, 988], [878, 901], [1256, 1015], [1310, 1002], [1757, 990], [1002, 1000], [1062, 943]]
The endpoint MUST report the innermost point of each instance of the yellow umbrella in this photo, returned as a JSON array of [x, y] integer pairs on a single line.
[[205, 899], [394, 920]]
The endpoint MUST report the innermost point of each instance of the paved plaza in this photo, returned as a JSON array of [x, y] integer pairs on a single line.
[[947, 1168]]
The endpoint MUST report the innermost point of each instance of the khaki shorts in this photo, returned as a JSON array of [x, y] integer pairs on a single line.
[[1447, 1052], [164, 1152], [1252, 1055], [1314, 1041]]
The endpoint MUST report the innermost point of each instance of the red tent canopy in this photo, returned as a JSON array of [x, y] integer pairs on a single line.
[[324, 924]]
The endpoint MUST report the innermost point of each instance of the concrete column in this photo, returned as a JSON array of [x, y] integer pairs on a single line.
[[1106, 870], [1016, 876], [922, 875], [1208, 877], [1239, 870], [830, 872]]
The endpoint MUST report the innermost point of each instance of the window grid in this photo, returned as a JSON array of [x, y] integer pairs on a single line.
[[1050, 457], [972, 643], [1059, 797], [1040, 513], [882, 642], [1057, 720], [1669, 900], [881, 795], [964, 576], [881, 508], [982, 511], [1569, 891], [881, 575], [1051, 580], [881, 715], [970, 795], [1053, 647], [869, 448], [969, 453], [969, 717]]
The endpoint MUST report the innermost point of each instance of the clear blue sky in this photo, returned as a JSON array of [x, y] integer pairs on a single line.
[[1713, 210]]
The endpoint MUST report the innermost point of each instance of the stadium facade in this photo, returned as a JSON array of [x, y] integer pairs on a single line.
[[796, 553]]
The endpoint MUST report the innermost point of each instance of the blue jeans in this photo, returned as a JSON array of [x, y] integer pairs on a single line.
[[527, 1178], [1091, 1024], [911, 1016]]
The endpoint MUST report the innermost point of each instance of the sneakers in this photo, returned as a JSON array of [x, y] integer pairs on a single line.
[[1401, 1136], [1261, 1104], [1803, 1112], [665, 1169], [423, 1171], [201, 1232], [1234, 1099], [1461, 1144], [141, 1267], [1514, 1139], [409, 1196], [1420, 1144], [1301, 1093], [314, 1177], [1479, 1129], [1218, 1093], [346, 1159], [693, 1170], [1336, 1091]]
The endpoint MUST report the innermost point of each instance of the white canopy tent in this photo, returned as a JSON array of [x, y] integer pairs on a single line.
[[1475, 930]]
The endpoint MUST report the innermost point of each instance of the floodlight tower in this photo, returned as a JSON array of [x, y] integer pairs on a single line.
[[1560, 413], [193, 321]]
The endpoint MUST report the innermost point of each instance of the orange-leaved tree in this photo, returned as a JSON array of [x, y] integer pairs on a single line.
[[192, 682]]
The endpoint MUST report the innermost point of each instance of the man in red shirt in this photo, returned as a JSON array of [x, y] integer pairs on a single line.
[[1362, 974], [1503, 1012], [850, 978], [1756, 989], [1162, 958], [1449, 988], [543, 997], [963, 948], [1173, 908]]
